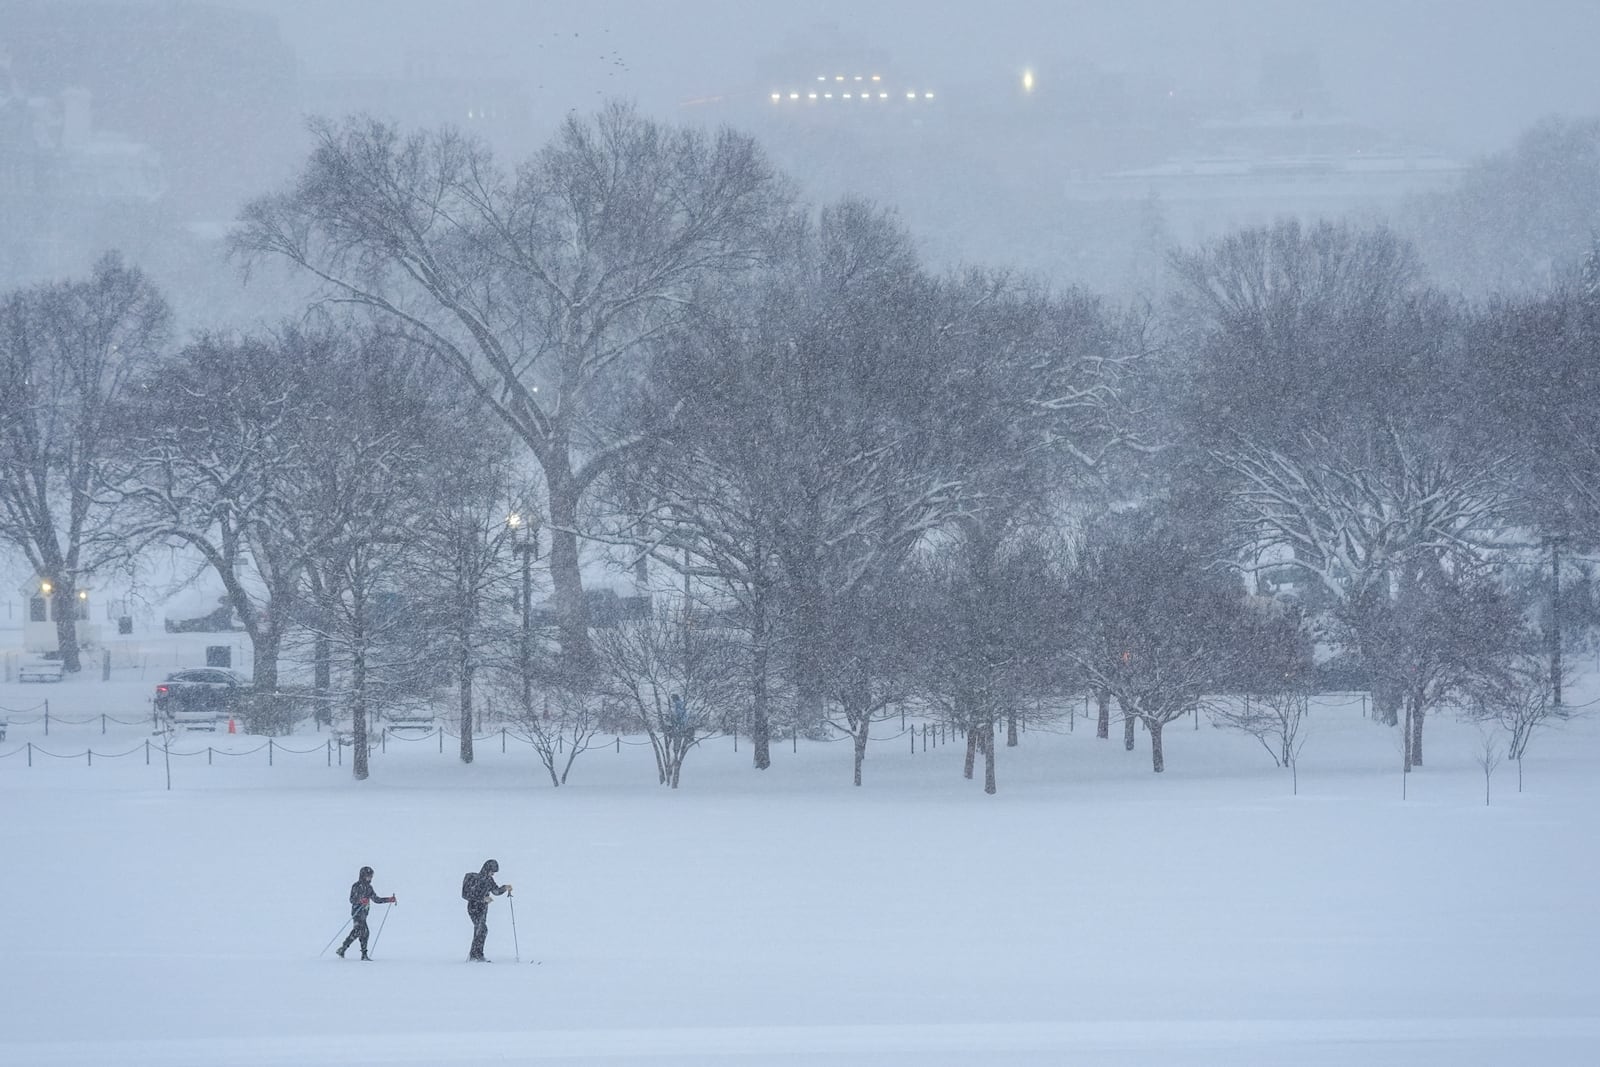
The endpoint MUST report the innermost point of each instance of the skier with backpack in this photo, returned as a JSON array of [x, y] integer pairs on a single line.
[[477, 889], [362, 897]]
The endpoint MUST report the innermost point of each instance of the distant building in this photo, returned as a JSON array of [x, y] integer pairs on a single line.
[[40, 616]]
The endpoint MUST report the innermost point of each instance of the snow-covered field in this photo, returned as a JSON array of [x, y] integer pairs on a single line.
[[1091, 912]]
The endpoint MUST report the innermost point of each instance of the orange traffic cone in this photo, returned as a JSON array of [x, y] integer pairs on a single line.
[[232, 728]]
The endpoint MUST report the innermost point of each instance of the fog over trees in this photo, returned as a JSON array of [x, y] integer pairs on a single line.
[[641, 429]]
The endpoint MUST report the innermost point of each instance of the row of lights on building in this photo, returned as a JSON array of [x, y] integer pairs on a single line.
[[910, 95], [1027, 87]]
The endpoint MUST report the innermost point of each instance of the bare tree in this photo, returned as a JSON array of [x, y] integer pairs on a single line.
[[1520, 700], [1275, 674], [1153, 625], [212, 448], [541, 290], [986, 629], [678, 676], [1368, 525], [1276, 719], [562, 729], [465, 536], [1488, 757], [67, 351], [370, 443]]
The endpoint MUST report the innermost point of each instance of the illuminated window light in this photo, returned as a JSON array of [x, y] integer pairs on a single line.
[[838, 77], [827, 96], [776, 96], [822, 77], [883, 96], [927, 96], [911, 96], [876, 78], [1027, 81], [858, 77], [794, 96], [812, 95], [847, 96]]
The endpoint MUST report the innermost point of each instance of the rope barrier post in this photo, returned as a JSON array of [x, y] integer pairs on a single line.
[[502, 740], [208, 755], [30, 753], [166, 756], [269, 752], [794, 738], [328, 744], [913, 742], [47, 718], [383, 745], [619, 744], [102, 724], [147, 752], [441, 752], [89, 753]]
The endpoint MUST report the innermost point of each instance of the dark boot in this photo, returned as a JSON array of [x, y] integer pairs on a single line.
[[365, 958], [342, 947]]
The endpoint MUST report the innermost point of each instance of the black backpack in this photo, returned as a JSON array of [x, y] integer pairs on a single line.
[[469, 886]]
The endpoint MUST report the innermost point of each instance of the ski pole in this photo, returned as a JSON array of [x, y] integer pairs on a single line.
[[516, 948], [381, 924], [334, 938]]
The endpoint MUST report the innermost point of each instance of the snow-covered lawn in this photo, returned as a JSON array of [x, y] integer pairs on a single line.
[[1091, 912]]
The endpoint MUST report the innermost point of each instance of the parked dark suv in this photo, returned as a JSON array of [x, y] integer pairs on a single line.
[[199, 696]]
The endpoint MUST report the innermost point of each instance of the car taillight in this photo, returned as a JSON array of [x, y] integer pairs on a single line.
[[161, 689]]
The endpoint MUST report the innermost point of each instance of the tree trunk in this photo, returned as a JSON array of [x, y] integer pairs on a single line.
[[1555, 624], [760, 718], [988, 759], [565, 576], [1405, 744], [1102, 726], [265, 644], [1416, 733], [1158, 760], [1011, 729], [972, 754], [358, 711], [860, 739], [1127, 730], [465, 669], [65, 607]]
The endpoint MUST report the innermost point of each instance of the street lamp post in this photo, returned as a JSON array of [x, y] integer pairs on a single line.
[[525, 543]]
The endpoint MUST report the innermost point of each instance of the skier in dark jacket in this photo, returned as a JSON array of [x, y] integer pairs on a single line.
[[362, 897], [478, 889]]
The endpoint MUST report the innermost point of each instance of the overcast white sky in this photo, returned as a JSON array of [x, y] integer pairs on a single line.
[[1474, 71]]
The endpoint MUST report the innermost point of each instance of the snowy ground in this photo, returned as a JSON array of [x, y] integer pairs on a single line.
[[1090, 913]]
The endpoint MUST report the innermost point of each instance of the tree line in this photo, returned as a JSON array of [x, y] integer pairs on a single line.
[[864, 484]]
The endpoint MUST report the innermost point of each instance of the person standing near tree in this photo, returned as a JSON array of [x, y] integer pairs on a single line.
[[362, 896], [477, 890]]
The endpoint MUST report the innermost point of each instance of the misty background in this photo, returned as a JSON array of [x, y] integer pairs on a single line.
[[1079, 141]]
